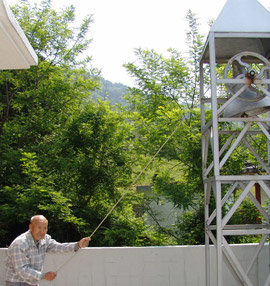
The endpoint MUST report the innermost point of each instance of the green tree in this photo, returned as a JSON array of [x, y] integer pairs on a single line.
[[63, 155], [36, 194], [34, 104], [93, 167], [167, 93]]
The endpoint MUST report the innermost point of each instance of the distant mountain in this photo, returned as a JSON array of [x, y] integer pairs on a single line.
[[112, 92]]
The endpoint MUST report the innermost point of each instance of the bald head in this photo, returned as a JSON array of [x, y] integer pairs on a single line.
[[37, 218], [38, 227]]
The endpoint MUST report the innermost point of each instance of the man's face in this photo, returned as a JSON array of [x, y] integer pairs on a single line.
[[39, 228]]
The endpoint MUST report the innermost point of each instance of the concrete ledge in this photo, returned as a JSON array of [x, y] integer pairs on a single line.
[[146, 266]]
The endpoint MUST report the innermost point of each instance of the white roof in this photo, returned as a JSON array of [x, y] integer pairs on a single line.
[[15, 50], [242, 16], [241, 25]]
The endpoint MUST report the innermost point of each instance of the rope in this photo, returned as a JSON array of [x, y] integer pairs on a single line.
[[130, 186]]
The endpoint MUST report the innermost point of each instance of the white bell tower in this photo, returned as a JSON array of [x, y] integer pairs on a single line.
[[234, 109]]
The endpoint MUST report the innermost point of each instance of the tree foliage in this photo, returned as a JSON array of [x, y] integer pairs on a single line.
[[35, 103], [167, 94], [62, 155]]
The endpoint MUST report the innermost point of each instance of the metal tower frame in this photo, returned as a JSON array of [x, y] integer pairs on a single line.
[[219, 188]]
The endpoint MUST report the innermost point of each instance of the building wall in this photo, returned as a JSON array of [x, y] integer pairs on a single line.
[[145, 266]]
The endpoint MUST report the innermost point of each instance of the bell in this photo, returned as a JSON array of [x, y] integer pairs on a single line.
[[243, 108], [250, 102]]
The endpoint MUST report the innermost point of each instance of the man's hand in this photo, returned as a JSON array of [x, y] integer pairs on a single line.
[[84, 242], [50, 276]]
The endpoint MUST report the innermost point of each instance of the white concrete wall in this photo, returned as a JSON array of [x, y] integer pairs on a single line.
[[145, 266]]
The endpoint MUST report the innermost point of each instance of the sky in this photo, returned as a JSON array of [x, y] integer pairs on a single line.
[[121, 26]]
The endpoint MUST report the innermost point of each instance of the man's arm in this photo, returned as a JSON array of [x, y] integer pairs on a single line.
[[54, 246]]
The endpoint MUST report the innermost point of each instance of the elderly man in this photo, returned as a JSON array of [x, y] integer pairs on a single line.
[[26, 254]]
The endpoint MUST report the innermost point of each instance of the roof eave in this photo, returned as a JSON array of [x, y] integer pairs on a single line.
[[15, 50]]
